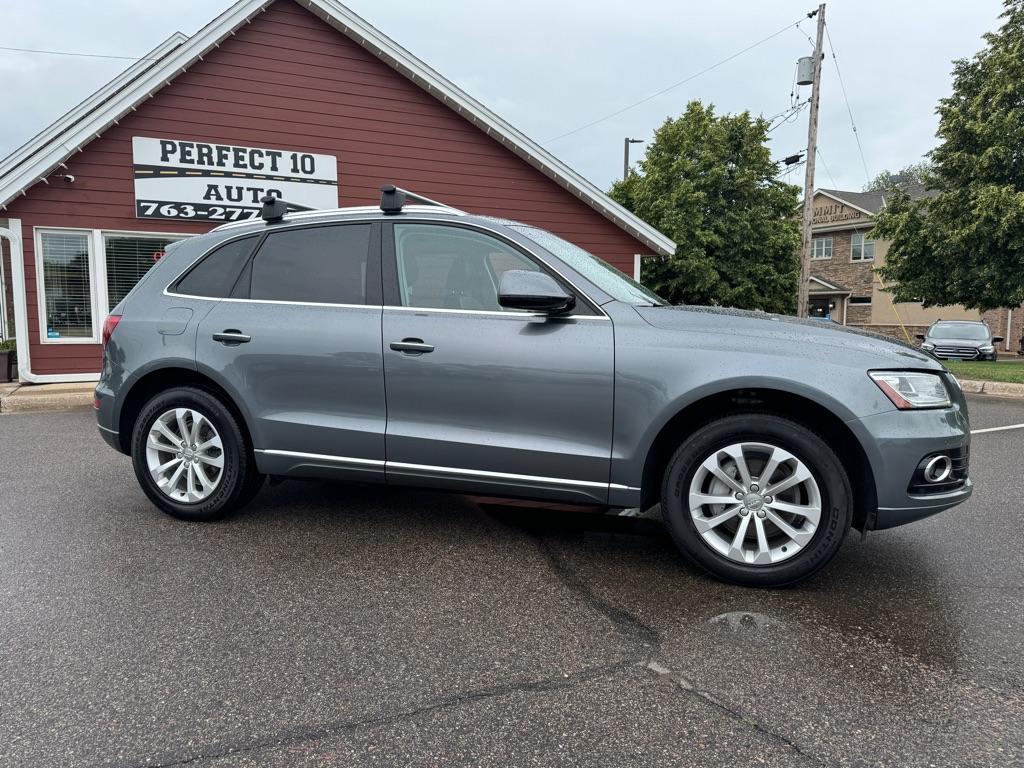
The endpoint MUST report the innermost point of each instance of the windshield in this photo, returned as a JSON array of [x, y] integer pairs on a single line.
[[600, 273], [969, 331]]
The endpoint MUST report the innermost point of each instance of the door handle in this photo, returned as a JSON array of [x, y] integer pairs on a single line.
[[411, 346], [231, 337]]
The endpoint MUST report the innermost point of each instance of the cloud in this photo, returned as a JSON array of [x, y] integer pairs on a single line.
[[550, 67]]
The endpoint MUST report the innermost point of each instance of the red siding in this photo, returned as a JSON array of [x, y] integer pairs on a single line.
[[288, 80]]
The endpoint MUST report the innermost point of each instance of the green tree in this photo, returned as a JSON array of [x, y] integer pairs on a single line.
[[887, 181], [965, 244], [709, 183]]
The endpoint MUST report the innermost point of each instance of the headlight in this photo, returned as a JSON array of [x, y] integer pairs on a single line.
[[928, 345], [987, 350], [909, 390]]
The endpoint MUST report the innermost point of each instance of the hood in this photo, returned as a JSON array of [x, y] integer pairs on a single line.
[[942, 341], [784, 333]]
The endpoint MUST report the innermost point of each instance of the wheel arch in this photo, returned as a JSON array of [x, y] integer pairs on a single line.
[[160, 379], [766, 400]]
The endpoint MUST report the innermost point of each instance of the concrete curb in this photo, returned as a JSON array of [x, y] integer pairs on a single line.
[[46, 397], [995, 388]]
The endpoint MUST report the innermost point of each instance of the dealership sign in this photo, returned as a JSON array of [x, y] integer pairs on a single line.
[[179, 179]]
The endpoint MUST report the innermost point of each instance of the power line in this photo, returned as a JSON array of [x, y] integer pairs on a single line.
[[789, 115], [830, 176], [849, 109], [671, 87], [72, 53]]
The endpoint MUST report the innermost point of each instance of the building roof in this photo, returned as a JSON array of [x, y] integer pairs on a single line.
[[825, 287], [42, 155], [873, 202]]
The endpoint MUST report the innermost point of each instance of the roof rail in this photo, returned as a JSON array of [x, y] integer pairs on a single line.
[[274, 208], [392, 199]]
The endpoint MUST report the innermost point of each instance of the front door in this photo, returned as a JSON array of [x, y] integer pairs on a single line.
[[493, 401], [300, 342]]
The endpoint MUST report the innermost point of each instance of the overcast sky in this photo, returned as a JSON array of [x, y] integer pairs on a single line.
[[550, 67]]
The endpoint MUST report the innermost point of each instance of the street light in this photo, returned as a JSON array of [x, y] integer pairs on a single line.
[[625, 155]]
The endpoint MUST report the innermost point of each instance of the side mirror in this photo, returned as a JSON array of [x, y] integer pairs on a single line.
[[919, 336], [533, 292], [996, 339]]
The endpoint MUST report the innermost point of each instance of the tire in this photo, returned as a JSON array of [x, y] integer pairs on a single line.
[[771, 561], [219, 490]]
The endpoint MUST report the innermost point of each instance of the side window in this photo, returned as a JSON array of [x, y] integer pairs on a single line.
[[216, 274], [315, 264], [451, 268]]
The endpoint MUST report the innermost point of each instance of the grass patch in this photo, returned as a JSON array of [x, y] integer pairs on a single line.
[[1012, 372]]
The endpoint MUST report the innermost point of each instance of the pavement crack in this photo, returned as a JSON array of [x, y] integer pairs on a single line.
[[626, 622], [650, 641], [297, 735], [707, 698]]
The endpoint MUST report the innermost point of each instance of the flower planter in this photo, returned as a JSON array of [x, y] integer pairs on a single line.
[[8, 365]]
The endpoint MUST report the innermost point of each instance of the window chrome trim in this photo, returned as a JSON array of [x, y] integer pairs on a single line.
[[494, 313], [458, 471], [601, 314]]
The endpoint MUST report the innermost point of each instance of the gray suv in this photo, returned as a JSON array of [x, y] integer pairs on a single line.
[[416, 345], [960, 340]]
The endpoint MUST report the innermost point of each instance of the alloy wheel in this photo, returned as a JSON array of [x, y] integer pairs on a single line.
[[755, 503], [185, 455]]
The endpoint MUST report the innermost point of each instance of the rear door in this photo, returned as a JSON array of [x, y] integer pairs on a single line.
[[483, 398], [299, 343]]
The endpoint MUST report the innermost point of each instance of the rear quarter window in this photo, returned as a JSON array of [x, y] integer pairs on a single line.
[[216, 273]]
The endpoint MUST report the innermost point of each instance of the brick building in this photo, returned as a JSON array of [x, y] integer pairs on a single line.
[[845, 287], [305, 100]]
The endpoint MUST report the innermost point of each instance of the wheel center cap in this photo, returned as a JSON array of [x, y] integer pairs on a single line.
[[189, 454], [753, 501]]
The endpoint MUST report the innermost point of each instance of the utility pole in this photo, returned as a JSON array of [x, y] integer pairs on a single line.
[[812, 148], [625, 155]]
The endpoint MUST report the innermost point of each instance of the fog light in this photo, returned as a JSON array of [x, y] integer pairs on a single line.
[[938, 469]]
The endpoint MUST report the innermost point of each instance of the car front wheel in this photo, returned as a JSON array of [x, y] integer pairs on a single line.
[[191, 457], [757, 500]]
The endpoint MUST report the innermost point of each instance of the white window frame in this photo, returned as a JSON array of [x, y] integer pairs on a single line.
[[37, 240], [826, 241], [864, 240], [98, 297]]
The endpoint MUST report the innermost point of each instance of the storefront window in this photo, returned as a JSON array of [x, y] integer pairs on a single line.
[[66, 285], [128, 259]]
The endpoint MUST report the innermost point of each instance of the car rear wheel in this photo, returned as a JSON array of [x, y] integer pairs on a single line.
[[191, 457], [757, 500]]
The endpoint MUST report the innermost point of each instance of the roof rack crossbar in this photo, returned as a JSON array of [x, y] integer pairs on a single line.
[[392, 199], [274, 208]]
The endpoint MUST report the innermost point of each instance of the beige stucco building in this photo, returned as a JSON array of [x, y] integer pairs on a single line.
[[845, 286]]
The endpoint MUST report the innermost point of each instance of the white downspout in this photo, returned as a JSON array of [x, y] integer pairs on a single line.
[[1009, 326], [13, 235]]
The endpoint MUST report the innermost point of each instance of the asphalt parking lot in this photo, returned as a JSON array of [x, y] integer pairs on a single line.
[[332, 624]]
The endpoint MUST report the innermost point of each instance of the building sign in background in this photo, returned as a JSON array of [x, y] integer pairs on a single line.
[[180, 179], [834, 213]]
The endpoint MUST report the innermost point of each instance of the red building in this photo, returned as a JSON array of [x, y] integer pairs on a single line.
[[305, 98]]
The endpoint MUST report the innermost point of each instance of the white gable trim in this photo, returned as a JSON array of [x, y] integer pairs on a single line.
[[58, 134], [865, 211], [64, 137], [826, 285]]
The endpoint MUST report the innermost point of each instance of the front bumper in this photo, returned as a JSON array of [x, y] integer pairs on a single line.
[[895, 442]]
